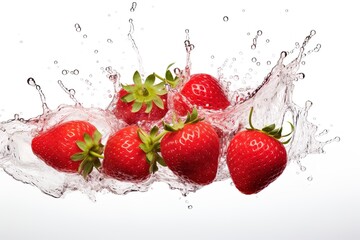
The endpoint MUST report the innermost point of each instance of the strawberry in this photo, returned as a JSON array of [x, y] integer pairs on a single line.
[[202, 90], [256, 158], [142, 101], [69, 147], [191, 150], [131, 154]]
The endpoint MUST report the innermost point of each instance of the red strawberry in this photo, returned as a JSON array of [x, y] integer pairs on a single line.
[[191, 150], [131, 155], [69, 147], [136, 101], [256, 158], [202, 90]]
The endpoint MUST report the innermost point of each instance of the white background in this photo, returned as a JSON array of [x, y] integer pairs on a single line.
[[34, 34]]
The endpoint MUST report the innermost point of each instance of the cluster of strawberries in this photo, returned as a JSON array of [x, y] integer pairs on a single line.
[[189, 148]]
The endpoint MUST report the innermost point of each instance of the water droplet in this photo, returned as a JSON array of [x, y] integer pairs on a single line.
[[186, 30], [283, 54], [310, 178], [212, 56], [77, 27], [55, 62], [303, 62], [64, 72], [259, 33], [308, 105], [177, 71], [253, 59], [109, 40], [108, 69], [258, 64], [226, 18], [317, 48], [190, 207], [96, 51], [253, 46], [84, 36], [133, 7], [130, 20], [267, 40], [75, 72], [72, 91], [312, 33], [268, 62], [31, 82], [301, 75]]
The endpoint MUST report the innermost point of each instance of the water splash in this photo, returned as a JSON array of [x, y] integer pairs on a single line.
[[272, 100]]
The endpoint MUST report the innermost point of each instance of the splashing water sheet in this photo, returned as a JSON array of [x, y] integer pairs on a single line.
[[274, 59]]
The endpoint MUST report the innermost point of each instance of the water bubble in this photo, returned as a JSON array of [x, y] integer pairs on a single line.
[[243, 10], [64, 72], [190, 207], [253, 46], [248, 33], [130, 20], [303, 62], [258, 64], [109, 40], [303, 168], [84, 36], [212, 56], [286, 10], [186, 30], [55, 62], [75, 72], [226, 18], [312, 33], [96, 51], [267, 40], [259, 33], [234, 59], [309, 178], [31, 82], [268, 62], [77, 27], [133, 6], [236, 77], [253, 59]]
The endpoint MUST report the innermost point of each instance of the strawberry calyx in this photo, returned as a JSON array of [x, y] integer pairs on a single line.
[[178, 124], [169, 79], [92, 150], [147, 93], [271, 129], [151, 147]]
